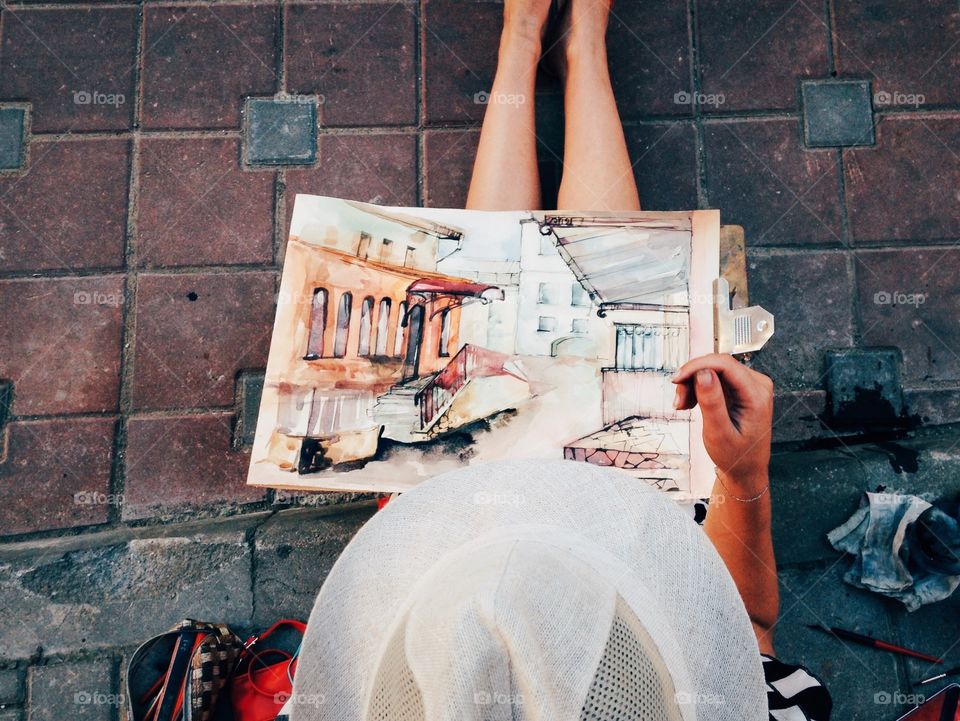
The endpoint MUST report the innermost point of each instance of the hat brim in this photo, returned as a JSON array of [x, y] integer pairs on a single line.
[[627, 519]]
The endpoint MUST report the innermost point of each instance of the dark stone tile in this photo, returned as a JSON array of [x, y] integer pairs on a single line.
[[837, 113], [74, 690], [55, 474], [809, 295], [199, 63], [762, 178], [910, 299], [907, 49], [13, 130], [856, 676], [75, 66], [863, 386], [198, 207], [61, 343], [448, 165], [69, 210], [664, 157], [900, 189], [458, 61], [250, 390], [813, 492], [197, 468], [648, 48], [378, 168], [933, 629], [195, 332], [776, 43], [115, 593], [280, 131], [358, 56], [11, 686], [796, 415], [293, 555]]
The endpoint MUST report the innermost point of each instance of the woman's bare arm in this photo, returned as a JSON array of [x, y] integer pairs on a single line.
[[737, 407]]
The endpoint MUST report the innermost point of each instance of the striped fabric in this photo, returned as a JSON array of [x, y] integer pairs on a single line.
[[794, 694]]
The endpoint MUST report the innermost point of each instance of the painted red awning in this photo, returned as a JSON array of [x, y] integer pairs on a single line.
[[453, 286]]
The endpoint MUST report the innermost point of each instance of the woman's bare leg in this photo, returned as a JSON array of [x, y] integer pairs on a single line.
[[505, 175], [597, 174]]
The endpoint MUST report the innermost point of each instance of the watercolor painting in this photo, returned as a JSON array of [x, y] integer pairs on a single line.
[[411, 341]]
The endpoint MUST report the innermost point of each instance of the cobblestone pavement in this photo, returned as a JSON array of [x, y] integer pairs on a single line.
[[143, 207]]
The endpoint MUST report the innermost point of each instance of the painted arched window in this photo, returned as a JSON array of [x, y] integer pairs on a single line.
[[445, 333], [383, 327], [401, 330], [343, 325], [318, 324], [366, 327]]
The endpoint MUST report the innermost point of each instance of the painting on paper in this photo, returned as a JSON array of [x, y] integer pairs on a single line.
[[411, 341]]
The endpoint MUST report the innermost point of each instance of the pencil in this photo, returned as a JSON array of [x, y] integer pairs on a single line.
[[873, 642]]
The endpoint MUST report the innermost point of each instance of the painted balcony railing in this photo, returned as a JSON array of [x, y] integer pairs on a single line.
[[470, 362]]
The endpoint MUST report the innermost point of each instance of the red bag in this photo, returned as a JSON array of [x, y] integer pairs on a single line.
[[263, 680]]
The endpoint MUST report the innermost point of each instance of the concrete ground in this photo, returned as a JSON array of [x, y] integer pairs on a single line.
[[142, 222]]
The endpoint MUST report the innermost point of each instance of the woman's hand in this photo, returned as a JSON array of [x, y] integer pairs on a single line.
[[737, 407]]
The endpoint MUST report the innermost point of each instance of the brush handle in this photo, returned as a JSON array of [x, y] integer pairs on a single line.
[[883, 645]]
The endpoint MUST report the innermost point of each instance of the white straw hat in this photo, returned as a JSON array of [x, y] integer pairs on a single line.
[[541, 591]]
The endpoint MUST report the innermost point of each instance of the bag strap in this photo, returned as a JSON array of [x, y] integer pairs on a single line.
[[294, 623]]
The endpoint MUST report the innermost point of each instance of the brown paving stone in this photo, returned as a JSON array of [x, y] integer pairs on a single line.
[[372, 168], [649, 57], [194, 332], [755, 53], [182, 463], [61, 343], [448, 161], [69, 210], [358, 56], [911, 299], [664, 157], [49, 55], [809, 295], [906, 187], [459, 57], [199, 62], [198, 207], [762, 179], [55, 474], [907, 48]]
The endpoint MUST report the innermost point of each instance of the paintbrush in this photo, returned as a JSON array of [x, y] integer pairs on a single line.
[[872, 642], [951, 672]]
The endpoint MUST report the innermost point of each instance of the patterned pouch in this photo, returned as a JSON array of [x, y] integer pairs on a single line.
[[179, 675]]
